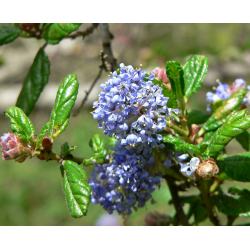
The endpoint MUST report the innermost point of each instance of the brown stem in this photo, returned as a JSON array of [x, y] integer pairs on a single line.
[[230, 220], [208, 201], [177, 202], [84, 33], [106, 43]]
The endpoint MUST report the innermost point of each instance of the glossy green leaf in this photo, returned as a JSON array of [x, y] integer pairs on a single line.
[[197, 116], [8, 34], [215, 125], [21, 125], [228, 106], [34, 82], [98, 146], [244, 140], [172, 102], [235, 203], [76, 188], [175, 75], [215, 105], [195, 71], [236, 166], [42, 134], [64, 102], [66, 149], [237, 123], [180, 145], [55, 32]]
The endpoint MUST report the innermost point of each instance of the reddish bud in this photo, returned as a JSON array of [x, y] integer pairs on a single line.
[[13, 148], [156, 219], [207, 169], [47, 144]]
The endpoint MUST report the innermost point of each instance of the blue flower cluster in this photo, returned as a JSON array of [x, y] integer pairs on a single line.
[[132, 109], [125, 183], [224, 91]]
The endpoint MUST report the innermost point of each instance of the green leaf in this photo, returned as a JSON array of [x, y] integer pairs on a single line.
[[65, 149], [34, 83], [181, 145], [98, 146], [195, 71], [244, 140], [228, 106], [76, 188], [172, 102], [236, 166], [65, 100], [215, 125], [235, 203], [21, 125], [197, 116], [175, 75], [237, 123], [215, 105], [42, 134], [8, 34], [55, 32]]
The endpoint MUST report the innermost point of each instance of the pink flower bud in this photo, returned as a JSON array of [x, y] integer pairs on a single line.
[[160, 74], [13, 148]]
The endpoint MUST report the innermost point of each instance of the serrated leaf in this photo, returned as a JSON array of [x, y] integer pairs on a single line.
[[215, 125], [235, 203], [175, 75], [197, 116], [236, 166], [8, 34], [42, 134], [112, 141], [228, 106], [195, 71], [34, 82], [181, 145], [234, 125], [64, 102], [98, 146], [66, 149], [244, 140], [76, 188], [21, 125], [55, 32], [215, 105]]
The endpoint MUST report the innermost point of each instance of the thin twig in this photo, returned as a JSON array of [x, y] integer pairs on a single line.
[[84, 33], [106, 43], [177, 202], [102, 67]]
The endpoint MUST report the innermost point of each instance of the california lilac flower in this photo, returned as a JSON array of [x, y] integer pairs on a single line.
[[224, 91], [132, 108], [190, 167], [125, 183]]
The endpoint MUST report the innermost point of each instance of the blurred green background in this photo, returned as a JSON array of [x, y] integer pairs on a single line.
[[31, 193]]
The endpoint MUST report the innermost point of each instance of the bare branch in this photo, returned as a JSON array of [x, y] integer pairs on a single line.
[[106, 43], [84, 33]]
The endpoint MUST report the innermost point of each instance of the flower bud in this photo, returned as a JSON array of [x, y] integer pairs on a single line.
[[207, 169], [160, 74], [13, 148], [156, 219], [47, 144]]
